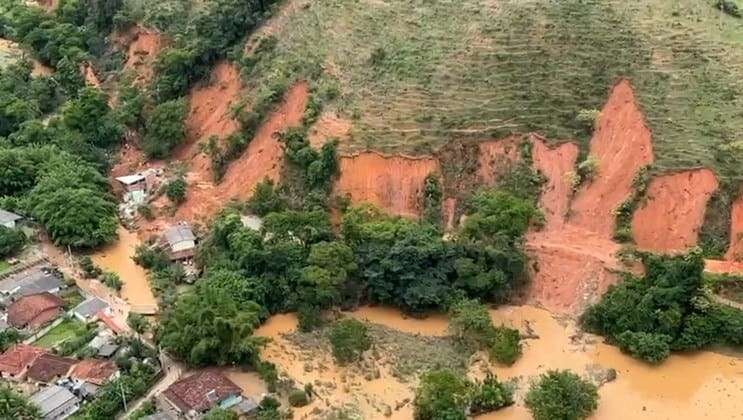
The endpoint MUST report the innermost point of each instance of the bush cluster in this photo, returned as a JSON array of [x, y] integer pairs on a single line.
[[349, 338], [561, 395]]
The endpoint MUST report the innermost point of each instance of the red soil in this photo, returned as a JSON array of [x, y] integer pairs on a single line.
[[621, 143], [89, 74], [329, 126], [673, 212], [723, 267], [209, 108], [575, 259], [392, 183], [48, 5], [142, 46], [735, 250], [555, 164], [262, 158], [495, 156]]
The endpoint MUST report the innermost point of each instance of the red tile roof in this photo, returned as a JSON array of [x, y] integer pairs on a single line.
[[109, 322], [17, 358], [94, 371], [49, 367], [34, 310], [201, 391]]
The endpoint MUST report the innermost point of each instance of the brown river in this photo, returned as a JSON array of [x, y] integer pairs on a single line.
[[117, 257], [703, 385]]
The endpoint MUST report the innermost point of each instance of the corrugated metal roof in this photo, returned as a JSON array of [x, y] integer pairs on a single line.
[[179, 233], [131, 179], [51, 398], [6, 216], [90, 307]]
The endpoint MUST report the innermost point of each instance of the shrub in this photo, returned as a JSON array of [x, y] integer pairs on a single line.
[[112, 280], [90, 270], [266, 199], [730, 7], [268, 373], [490, 395], [11, 241], [218, 413], [650, 347], [349, 338], [442, 395], [505, 346], [151, 258], [176, 190], [432, 196], [561, 395], [298, 398], [165, 128], [588, 168], [309, 318], [146, 211]]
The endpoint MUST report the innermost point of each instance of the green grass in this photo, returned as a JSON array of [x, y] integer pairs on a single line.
[[72, 298], [413, 75], [4, 266], [67, 330]]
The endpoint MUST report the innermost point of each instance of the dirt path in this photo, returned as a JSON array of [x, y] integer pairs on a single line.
[[673, 211]]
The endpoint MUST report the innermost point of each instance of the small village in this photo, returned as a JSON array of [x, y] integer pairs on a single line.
[[67, 337]]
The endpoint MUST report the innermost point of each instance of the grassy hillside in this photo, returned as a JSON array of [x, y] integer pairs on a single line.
[[414, 74]]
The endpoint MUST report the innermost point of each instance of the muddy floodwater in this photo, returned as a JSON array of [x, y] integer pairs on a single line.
[[117, 257], [701, 385]]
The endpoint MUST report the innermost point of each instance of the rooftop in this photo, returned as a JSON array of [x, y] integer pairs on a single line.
[[201, 391], [34, 310], [94, 371], [131, 179], [90, 307], [179, 233], [6, 216], [51, 398], [18, 357], [49, 367], [34, 280]]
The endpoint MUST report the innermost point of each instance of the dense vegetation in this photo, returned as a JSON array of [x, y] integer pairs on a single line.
[[446, 395], [16, 406], [349, 338], [54, 132], [561, 395], [666, 310], [470, 323], [298, 263], [11, 241]]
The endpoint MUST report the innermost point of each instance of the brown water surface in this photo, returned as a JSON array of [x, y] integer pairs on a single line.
[[702, 385], [117, 257]]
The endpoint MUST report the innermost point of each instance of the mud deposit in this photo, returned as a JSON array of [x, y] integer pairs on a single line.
[[118, 258], [328, 127], [495, 157], [392, 183], [673, 211], [142, 46], [574, 256], [694, 386]]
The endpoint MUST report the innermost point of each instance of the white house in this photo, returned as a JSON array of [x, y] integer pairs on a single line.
[[8, 219], [181, 241]]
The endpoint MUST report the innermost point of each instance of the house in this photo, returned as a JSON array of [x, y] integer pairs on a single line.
[[9, 220], [14, 363], [181, 242], [49, 368], [106, 320], [199, 393], [55, 402], [92, 371], [252, 222], [138, 186], [104, 344], [33, 311], [37, 279], [88, 310]]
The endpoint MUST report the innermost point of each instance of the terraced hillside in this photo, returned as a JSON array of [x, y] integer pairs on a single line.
[[414, 74]]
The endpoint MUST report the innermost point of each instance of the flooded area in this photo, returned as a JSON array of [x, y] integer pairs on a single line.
[[117, 257], [694, 386]]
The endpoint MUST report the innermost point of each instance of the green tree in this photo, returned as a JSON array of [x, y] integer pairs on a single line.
[[176, 190], [14, 406], [8, 337], [112, 280], [498, 214], [208, 327], [490, 395], [349, 338], [220, 414], [137, 322], [165, 128], [89, 114], [561, 395], [442, 395], [266, 199], [11, 241]]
